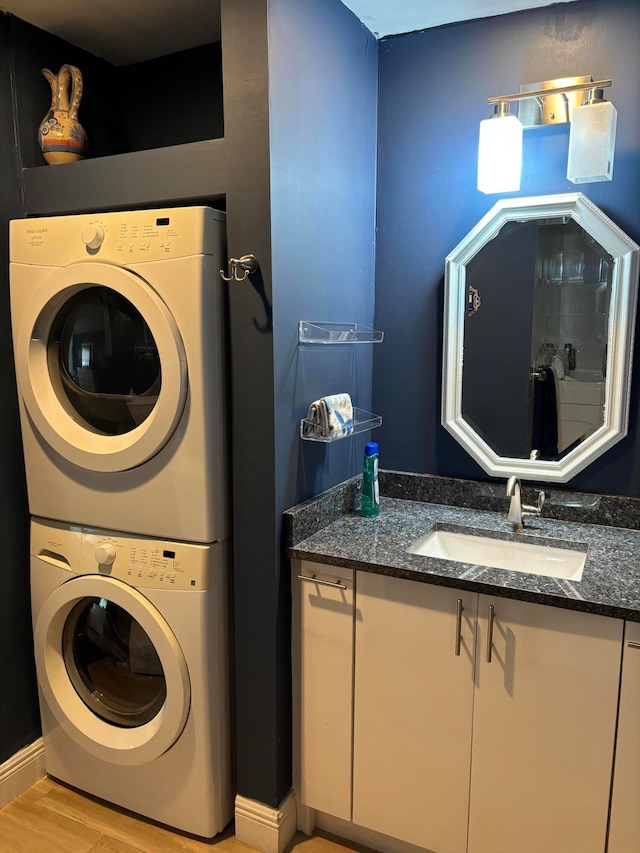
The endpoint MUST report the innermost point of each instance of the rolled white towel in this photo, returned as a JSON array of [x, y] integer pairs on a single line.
[[330, 417]]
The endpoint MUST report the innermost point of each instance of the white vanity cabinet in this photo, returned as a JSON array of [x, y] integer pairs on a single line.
[[413, 711], [624, 834], [544, 722], [323, 686], [522, 744], [448, 750]]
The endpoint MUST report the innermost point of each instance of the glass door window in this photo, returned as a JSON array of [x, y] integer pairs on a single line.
[[112, 663], [107, 360]]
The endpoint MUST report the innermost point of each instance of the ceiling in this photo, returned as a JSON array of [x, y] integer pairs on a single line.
[[390, 17], [124, 31], [127, 31]]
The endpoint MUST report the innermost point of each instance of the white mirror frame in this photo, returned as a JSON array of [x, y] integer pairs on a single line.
[[622, 313]]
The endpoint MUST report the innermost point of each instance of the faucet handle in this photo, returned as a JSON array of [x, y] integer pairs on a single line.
[[535, 510]]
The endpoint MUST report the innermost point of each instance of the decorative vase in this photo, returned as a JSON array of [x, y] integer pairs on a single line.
[[61, 136]]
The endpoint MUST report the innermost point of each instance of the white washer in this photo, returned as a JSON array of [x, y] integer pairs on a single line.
[[131, 654], [119, 349]]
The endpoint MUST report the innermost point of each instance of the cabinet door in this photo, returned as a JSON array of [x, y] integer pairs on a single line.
[[323, 680], [413, 707], [624, 833], [543, 729]]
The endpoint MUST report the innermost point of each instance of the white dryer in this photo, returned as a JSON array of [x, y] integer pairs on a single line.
[[131, 653], [120, 360]]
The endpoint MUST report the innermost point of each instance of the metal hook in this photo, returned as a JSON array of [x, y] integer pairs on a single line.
[[246, 265]]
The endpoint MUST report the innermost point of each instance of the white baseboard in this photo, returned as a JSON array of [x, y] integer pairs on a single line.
[[263, 827], [21, 771], [306, 819]]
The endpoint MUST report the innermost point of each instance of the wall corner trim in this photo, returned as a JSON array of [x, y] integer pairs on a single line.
[[21, 771], [267, 829]]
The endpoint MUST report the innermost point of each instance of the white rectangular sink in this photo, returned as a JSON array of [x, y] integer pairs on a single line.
[[502, 554]]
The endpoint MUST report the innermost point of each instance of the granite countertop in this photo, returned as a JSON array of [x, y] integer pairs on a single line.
[[610, 583]]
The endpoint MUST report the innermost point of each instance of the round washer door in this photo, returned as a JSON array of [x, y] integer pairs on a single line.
[[101, 367], [111, 670]]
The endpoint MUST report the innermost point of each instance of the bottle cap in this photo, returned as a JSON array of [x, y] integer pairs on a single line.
[[371, 448]]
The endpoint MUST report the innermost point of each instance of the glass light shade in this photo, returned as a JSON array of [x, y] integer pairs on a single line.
[[500, 154], [592, 142]]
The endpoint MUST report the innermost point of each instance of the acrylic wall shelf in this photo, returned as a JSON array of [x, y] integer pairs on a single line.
[[362, 421], [337, 333]]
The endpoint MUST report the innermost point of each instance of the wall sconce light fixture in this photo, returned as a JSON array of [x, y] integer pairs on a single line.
[[574, 100], [500, 151], [592, 140]]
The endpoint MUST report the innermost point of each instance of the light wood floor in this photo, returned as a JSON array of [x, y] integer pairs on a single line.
[[51, 818]]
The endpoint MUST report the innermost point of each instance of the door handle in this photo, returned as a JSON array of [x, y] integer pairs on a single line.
[[459, 610], [491, 617], [314, 579]]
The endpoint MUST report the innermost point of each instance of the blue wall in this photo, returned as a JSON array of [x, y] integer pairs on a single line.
[[323, 92], [433, 87]]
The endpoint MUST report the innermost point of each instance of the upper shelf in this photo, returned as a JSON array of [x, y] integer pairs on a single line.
[[337, 333], [193, 171]]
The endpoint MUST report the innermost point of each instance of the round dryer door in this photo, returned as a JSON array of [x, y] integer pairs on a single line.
[[111, 670], [101, 367]]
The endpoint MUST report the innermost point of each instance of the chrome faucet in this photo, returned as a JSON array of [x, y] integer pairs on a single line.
[[517, 510]]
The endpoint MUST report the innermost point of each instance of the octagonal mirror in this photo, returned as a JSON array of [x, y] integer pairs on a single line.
[[540, 304]]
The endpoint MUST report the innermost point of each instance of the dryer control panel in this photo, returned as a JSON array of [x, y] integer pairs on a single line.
[[132, 237], [141, 562]]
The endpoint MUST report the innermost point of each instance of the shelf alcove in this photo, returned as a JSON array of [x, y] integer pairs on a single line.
[[156, 128]]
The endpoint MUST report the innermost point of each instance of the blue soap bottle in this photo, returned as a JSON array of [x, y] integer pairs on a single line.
[[370, 489]]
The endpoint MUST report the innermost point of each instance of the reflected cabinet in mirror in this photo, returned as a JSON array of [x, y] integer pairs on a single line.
[[540, 303]]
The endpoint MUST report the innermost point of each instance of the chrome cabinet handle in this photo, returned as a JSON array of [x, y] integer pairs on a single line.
[[633, 645], [491, 617], [314, 579], [459, 610]]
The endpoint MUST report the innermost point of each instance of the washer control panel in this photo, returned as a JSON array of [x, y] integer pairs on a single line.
[[147, 562], [136, 560]]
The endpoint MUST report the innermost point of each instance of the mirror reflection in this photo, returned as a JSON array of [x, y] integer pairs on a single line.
[[535, 338], [539, 310]]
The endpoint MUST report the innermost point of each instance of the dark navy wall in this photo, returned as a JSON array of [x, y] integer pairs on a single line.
[[323, 92], [433, 88], [19, 717]]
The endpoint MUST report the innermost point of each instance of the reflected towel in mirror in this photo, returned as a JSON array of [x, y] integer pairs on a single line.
[[545, 417]]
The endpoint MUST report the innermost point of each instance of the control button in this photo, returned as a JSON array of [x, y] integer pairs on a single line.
[[92, 236], [105, 554]]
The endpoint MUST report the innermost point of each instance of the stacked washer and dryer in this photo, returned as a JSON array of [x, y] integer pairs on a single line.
[[120, 360]]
